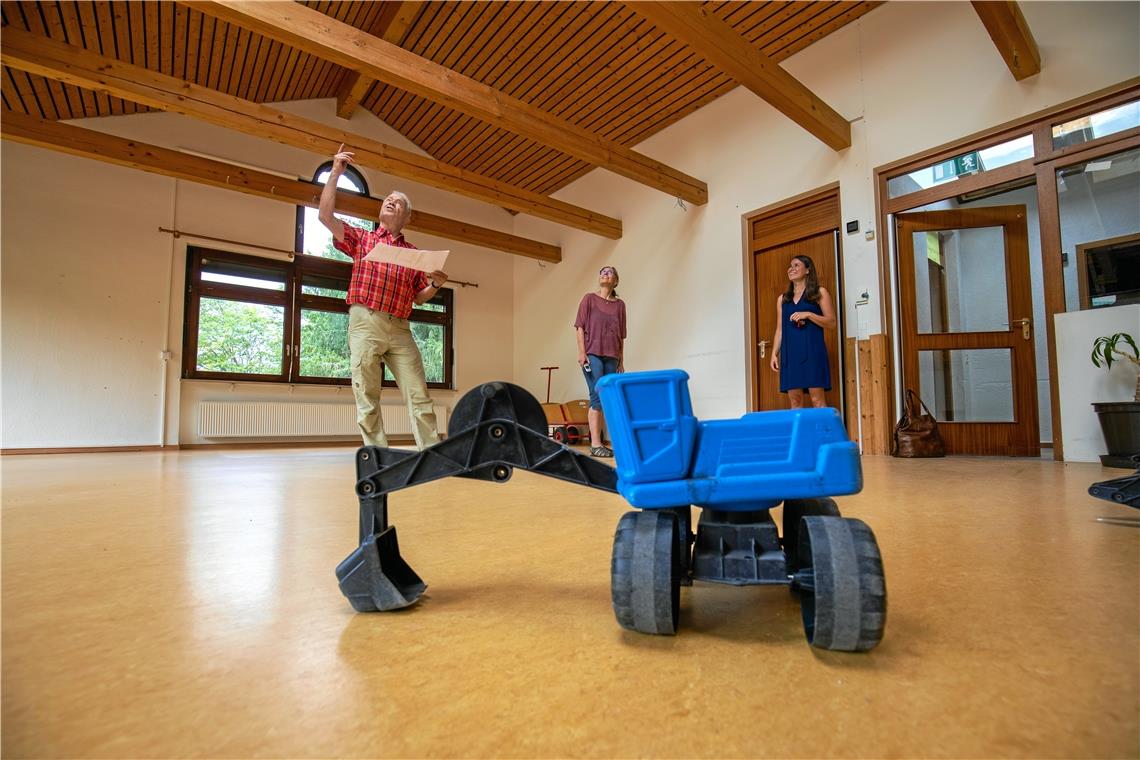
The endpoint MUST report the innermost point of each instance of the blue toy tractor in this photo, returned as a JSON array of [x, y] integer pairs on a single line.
[[734, 471]]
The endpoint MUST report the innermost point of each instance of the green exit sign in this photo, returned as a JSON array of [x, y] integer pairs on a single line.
[[967, 163]]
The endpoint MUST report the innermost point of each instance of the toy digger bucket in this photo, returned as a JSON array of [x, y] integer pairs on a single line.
[[375, 576]]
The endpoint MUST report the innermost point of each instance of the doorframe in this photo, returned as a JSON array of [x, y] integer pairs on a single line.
[[751, 330], [1041, 168]]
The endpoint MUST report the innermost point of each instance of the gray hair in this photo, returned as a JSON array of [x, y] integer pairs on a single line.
[[407, 204]]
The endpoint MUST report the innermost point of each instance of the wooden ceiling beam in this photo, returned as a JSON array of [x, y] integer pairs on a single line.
[[1010, 33], [87, 143], [394, 21], [67, 63], [314, 32], [718, 43]]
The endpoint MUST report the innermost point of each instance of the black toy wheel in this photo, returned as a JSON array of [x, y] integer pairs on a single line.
[[498, 400], [645, 574], [794, 511], [843, 591], [559, 434], [573, 435]]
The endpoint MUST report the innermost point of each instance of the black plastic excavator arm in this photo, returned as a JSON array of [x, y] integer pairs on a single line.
[[1125, 490], [494, 429]]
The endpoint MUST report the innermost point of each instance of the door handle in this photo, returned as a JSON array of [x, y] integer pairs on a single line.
[[1025, 322], [763, 347]]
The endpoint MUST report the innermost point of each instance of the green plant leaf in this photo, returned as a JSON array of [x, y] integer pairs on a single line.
[[1106, 348], [1132, 344], [1099, 350]]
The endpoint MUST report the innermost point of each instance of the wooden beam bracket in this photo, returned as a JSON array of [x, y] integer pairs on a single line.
[[1010, 32]]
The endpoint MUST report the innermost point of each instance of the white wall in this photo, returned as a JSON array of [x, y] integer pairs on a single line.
[[1082, 384], [83, 304], [90, 285], [909, 76]]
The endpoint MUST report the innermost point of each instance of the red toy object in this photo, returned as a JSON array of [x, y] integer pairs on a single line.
[[556, 422], [577, 421], [567, 423]]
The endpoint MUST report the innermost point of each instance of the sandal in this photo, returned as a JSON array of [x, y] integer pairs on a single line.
[[601, 451]]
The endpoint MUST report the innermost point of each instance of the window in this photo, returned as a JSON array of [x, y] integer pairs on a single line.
[[973, 162], [252, 318], [249, 318], [1097, 202], [1097, 125], [235, 316], [312, 236]]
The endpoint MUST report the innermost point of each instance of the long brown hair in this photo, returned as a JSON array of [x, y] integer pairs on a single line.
[[811, 282]]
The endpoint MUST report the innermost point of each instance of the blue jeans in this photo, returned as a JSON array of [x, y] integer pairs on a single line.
[[600, 366]]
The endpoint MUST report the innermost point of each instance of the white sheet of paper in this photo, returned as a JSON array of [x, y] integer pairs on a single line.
[[413, 258]]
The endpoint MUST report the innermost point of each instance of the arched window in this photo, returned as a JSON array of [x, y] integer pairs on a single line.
[[312, 237]]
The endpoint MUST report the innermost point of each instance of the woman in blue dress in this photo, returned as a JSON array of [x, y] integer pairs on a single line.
[[799, 353]]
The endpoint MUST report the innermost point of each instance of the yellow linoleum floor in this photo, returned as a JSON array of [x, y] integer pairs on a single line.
[[184, 604]]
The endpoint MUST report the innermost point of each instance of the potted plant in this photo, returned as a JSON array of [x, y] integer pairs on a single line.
[[1119, 420]]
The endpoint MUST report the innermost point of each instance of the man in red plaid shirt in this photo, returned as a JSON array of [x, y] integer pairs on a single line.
[[380, 299]]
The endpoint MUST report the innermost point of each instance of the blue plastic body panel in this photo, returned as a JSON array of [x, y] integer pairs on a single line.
[[666, 458], [651, 422]]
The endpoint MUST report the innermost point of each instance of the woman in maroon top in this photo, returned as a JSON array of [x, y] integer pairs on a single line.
[[601, 341]]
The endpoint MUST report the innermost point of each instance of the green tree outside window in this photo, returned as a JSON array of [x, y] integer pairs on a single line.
[[240, 337]]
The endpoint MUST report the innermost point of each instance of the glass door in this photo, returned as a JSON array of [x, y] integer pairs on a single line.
[[966, 314]]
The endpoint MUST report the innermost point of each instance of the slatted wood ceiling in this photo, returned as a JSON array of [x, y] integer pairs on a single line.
[[595, 64]]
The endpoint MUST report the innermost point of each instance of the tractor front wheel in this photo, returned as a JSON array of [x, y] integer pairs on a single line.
[[843, 594], [645, 574]]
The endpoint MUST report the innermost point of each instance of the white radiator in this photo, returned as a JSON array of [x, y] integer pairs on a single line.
[[276, 419]]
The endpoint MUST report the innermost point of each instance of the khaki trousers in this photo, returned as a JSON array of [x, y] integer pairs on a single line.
[[375, 337]]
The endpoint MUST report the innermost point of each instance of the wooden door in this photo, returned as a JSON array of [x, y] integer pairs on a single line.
[[771, 265], [966, 316]]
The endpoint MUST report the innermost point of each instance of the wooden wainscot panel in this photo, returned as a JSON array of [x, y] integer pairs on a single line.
[[869, 397]]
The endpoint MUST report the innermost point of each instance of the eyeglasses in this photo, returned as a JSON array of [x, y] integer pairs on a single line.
[[607, 270]]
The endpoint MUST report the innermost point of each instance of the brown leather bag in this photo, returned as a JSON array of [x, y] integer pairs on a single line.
[[917, 435]]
